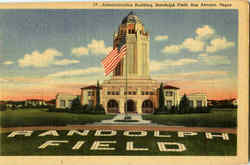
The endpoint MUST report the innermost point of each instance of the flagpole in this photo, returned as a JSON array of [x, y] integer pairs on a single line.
[[126, 108]]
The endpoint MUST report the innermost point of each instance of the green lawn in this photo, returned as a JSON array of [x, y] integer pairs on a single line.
[[195, 145], [40, 117], [216, 118]]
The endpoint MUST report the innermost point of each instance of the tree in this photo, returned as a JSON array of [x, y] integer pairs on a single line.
[[184, 104], [97, 93], [3, 107], [161, 97], [76, 104]]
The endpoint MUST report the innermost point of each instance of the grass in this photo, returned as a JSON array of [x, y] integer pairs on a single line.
[[226, 118], [40, 117], [195, 145]]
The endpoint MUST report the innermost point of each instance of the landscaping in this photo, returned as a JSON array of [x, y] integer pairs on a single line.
[[117, 144], [226, 118], [41, 117]]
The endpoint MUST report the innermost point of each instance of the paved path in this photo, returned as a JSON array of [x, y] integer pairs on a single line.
[[135, 119], [123, 127]]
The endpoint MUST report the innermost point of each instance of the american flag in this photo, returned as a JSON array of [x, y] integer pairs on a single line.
[[114, 57]]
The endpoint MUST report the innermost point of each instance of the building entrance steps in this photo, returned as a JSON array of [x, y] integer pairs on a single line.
[[119, 119]]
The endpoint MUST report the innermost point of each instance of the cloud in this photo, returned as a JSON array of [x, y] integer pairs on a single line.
[[160, 65], [172, 49], [37, 59], [161, 38], [204, 32], [77, 72], [199, 75], [8, 62], [96, 47], [66, 62], [200, 42], [219, 43], [214, 60], [80, 51], [44, 59], [193, 45]]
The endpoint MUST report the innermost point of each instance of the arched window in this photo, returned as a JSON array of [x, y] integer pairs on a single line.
[[147, 106], [113, 106]]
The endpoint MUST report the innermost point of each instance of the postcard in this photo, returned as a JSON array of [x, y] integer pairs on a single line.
[[124, 82]]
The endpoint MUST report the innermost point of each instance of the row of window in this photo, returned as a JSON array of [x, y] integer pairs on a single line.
[[130, 31], [113, 93], [198, 103], [130, 93], [169, 93], [191, 103], [63, 103], [91, 93], [147, 93]]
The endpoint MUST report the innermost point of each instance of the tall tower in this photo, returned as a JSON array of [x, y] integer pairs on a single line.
[[136, 60], [131, 90]]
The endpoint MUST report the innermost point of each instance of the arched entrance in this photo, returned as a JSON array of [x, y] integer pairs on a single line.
[[131, 107], [112, 106], [147, 106]]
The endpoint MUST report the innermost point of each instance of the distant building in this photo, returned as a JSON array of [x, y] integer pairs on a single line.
[[64, 100], [35, 102], [172, 95], [88, 95], [197, 100]]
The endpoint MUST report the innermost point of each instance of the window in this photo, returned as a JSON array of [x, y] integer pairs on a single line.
[[117, 93], [146, 93], [169, 103], [151, 93], [62, 103], [70, 103], [108, 93], [134, 92], [130, 93], [125, 93], [113, 93], [91, 93], [199, 103], [142, 92], [169, 93]]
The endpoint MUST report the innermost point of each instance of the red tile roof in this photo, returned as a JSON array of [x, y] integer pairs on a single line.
[[170, 87]]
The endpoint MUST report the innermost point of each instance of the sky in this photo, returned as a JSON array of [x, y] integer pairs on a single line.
[[44, 52]]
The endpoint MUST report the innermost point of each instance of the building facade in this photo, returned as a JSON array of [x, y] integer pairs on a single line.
[[131, 89], [35, 102], [64, 100]]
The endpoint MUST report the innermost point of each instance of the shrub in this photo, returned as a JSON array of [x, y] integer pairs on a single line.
[[3, 107], [54, 109], [76, 105], [99, 109]]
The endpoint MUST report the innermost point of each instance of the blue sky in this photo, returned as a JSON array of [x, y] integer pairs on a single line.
[[45, 50]]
